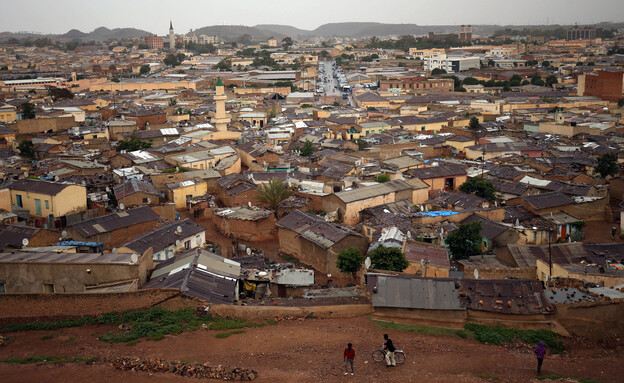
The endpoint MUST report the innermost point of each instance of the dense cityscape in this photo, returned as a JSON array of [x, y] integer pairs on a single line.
[[246, 203]]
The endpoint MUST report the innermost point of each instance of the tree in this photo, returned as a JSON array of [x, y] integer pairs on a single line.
[[479, 187], [112, 67], [273, 193], [470, 81], [388, 258], [350, 261], [59, 93], [552, 79], [465, 241], [307, 149], [28, 111], [26, 148], [4, 68], [145, 69], [607, 165], [545, 64], [224, 64], [173, 102], [287, 43], [437, 71], [245, 39], [133, 143], [537, 80], [381, 178], [174, 60], [474, 123]]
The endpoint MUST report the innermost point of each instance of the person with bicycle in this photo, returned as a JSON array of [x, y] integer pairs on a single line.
[[389, 349]]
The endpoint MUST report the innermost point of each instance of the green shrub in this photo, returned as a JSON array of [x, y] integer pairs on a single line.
[[501, 335]]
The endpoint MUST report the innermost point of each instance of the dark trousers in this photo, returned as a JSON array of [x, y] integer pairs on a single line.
[[539, 364], [347, 363]]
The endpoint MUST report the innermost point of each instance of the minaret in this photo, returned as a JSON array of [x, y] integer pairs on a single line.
[[220, 119], [171, 36]]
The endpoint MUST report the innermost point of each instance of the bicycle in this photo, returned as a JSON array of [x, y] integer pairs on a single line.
[[380, 355]]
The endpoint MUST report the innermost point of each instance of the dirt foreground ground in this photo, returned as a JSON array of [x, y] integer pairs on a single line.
[[301, 351]]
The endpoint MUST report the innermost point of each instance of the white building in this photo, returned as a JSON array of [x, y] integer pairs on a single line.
[[451, 63]]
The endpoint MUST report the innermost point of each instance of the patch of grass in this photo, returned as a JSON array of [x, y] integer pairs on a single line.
[[426, 330], [557, 377], [501, 335], [221, 335], [48, 359], [69, 340], [487, 376], [289, 258], [133, 342], [153, 324], [49, 336]]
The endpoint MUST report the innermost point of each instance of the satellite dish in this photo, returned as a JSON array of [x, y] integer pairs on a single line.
[[149, 200], [25, 242], [60, 239], [115, 250], [56, 178], [84, 183], [134, 258], [107, 189], [422, 263], [64, 233], [179, 229], [198, 241], [248, 251], [476, 274], [26, 174], [122, 206], [328, 275], [262, 274], [367, 263], [177, 243], [249, 203]]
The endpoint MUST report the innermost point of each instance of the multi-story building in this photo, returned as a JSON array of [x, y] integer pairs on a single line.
[[154, 42], [465, 33], [607, 85], [417, 83], [577, 33], [451, 64]]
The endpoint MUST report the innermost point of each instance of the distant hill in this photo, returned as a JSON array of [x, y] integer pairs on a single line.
[[233, 32], [73, 34], [284, 30]]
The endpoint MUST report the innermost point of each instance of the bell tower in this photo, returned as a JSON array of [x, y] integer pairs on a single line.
[[171, 36]]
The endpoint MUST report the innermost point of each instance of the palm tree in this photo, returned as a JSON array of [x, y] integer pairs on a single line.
[[273, 193]]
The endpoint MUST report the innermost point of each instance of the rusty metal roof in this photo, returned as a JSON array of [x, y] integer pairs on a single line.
[[507, 296]]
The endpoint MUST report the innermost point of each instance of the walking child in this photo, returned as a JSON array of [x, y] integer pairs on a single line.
[[540, 352]]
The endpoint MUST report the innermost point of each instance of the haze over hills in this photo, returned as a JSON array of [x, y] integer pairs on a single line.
[[262, 32]]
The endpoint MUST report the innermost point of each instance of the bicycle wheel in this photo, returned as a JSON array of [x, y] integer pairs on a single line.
[[399, 357], [378, 355]]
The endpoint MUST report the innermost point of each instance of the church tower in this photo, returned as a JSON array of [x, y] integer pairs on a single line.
[[171, 36], [220, 119]]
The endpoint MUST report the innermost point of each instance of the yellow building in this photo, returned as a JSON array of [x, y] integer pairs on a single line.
[[44, 198], [178, 192], [7, 113]]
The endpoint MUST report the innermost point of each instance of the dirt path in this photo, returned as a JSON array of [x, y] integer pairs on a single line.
[[308, 351]]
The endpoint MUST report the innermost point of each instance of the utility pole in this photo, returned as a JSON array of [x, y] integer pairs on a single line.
[[550, 230], [483, 162]]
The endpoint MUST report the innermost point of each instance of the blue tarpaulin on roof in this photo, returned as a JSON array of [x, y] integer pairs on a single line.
[[96, 245], [438, 213]]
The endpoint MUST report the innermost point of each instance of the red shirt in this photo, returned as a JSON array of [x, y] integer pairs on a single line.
[[349, 354]]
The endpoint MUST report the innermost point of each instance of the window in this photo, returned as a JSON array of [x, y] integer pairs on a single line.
[[48, 287], [145, 200], [187, 245], [2, 288], [47, 204]]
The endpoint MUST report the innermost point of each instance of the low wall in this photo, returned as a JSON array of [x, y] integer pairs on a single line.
[[58, 305], [501, 272], [262, 313], [593, 320]]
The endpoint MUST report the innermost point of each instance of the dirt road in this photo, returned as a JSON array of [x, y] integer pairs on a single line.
[[308, 351]]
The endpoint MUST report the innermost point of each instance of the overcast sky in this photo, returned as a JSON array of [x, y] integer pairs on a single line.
[[59, 16]]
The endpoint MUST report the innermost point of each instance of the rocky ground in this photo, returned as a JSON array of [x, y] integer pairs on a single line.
[[307, 350]]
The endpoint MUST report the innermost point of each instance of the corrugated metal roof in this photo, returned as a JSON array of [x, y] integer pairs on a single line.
[[87, 258], [418, 293], [115, 221], [164, 236], [373, 191]]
